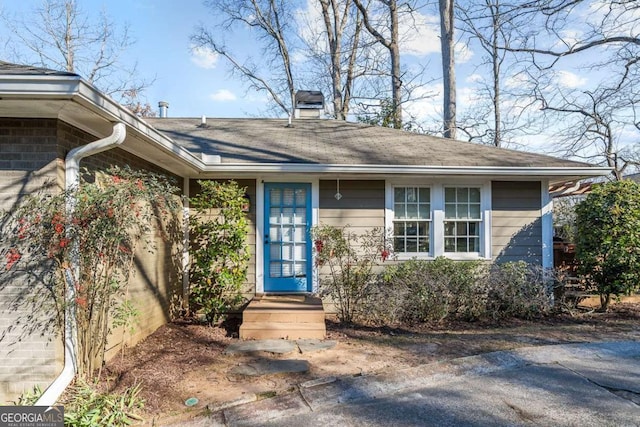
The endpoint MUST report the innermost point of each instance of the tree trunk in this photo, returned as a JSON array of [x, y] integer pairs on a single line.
[[448, 67]]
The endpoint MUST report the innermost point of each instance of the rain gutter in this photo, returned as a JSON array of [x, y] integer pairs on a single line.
[[72, 180]]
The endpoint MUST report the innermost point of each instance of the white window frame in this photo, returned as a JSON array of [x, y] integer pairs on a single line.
[[429, 221], [436, 232]]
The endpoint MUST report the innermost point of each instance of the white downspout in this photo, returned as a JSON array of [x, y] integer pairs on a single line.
[[72, 180]]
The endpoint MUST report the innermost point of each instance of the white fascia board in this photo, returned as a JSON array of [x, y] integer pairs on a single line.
[[407, 169], [73, 88], [115, 111], [26, 86]]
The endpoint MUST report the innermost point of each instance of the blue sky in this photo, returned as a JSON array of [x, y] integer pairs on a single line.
[[161, 29]]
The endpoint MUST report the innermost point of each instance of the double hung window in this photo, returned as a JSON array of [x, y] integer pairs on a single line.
[[462, 215], [411, 219]]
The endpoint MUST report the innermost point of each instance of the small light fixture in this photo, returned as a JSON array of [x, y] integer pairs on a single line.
[[338, 196]]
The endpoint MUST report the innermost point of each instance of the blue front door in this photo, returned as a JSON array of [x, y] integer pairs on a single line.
[[287, 245]]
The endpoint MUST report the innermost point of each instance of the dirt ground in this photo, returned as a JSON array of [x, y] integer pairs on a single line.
[[184, 359]]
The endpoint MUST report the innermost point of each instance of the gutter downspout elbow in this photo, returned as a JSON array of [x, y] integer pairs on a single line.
[[72, 180]]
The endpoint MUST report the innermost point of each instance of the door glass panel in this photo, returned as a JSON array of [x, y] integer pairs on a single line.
[[275, 196], [274, 234], [287, 269], [275, 252], [274, 215], [287, 215], [299, 235], [288, 197], [286, 252], [301, 216], [274, 269], [301, 197]]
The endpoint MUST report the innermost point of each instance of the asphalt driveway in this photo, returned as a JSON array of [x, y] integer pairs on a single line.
[[594, 384]]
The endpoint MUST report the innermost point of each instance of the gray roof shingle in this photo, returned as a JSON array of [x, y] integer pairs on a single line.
[[18, 69], [316, 141]]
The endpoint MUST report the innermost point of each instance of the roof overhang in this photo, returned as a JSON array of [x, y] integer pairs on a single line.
[[78, 103], [553, 174]]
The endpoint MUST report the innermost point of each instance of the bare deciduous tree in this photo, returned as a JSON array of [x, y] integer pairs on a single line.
[[272, 21], [600, 120], [61, 36], [391, 43]]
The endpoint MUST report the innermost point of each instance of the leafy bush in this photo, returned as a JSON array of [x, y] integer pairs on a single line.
[[432, 291], [518, 289], [84, 406], [608, 240], [112, 216], [219, 251], [350, 259]]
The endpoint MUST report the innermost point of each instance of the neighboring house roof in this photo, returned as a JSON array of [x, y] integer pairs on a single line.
[[335, 142], [18, 69], [633, 177]]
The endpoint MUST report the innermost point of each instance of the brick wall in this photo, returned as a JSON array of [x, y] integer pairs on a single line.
[[32, 153]]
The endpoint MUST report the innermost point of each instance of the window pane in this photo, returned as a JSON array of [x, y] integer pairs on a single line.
[[301, 216], [411, 228], [449, 228], [412, 210], [450, 195], [474, 211], [398, 245], [398, 228], [473, 228], [398, 194], [461, 229], [399, 211], [412, 195], [412, 244], [461, 243], [474, 195], [301, 195], [274, 215], [274, 269], [275, 196], [450, 211], [424, 211], [474, 244], [463, 195], [463, 211], [423, 228], [423, 244], [274, 234], [275, 252], [449, 244], [425, 195], [288, 197]]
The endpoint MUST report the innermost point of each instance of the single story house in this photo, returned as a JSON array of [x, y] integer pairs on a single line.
[[438, 197]]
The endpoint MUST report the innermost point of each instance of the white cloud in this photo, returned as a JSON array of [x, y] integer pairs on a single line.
[[204, 57], [463, 53], [570, 80], [223, 95], [474, 78], [419, 34]]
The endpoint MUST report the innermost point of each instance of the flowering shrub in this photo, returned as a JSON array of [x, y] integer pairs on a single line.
[[219, 252], [88, 238], [349, 260]]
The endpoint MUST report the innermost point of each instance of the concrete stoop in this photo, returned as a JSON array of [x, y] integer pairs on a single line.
[[283, 316]]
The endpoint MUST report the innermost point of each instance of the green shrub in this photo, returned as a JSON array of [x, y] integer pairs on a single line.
[[608, 239], [84, 406], [219, 251], [518, 289], [433, 290], [442, 289], [349, 260]]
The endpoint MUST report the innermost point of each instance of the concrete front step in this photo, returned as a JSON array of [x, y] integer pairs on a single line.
[[283, 316]]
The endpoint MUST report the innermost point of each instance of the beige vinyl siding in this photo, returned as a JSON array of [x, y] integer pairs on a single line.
[[361, 206], [516, 221]]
